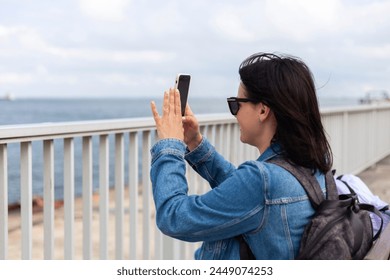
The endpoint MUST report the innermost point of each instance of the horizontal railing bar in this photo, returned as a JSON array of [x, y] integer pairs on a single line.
[[45, 131], [353, 109], [51, 131]]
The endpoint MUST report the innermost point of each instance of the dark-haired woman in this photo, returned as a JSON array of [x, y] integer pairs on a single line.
[[277, 111]]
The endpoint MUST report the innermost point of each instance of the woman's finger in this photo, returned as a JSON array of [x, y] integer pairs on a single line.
[[166, 104], [171, 101], [156, 116], [188, 111], [177, 103]]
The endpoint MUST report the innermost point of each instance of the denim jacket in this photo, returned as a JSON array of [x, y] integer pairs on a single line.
[[260, 200]]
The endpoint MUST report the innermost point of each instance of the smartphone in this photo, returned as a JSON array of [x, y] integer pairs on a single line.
[[183, 85]]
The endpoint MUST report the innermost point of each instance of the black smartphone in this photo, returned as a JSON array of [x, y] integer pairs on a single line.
[[183, 85]]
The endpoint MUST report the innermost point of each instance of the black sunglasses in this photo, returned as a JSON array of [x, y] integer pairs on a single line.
[[234, 103]]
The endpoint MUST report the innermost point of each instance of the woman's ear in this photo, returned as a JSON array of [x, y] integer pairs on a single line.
[[264, 111]]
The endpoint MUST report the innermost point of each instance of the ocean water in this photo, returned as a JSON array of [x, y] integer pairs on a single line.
[[62, 110], [24, 111]]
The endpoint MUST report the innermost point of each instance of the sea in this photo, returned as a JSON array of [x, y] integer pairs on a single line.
[[27, 111]]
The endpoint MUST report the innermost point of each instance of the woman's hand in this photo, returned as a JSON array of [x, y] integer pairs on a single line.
[[170, 125], [192, 136]]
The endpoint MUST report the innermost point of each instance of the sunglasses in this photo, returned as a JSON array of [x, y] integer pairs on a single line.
[[234, 103]]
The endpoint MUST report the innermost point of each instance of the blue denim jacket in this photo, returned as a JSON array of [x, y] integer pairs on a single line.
[[260, 200]]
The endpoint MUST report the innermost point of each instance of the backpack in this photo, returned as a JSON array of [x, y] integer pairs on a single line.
[[341, 227]]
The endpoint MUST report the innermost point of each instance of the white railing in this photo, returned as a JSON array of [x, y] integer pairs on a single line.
[[359, 136], [114, 160]]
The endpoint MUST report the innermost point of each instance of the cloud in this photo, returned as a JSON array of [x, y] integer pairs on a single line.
[[374, 52], [229, 23], [301, 20], [114, 56], [5, 32], [138, 46], [28, 39], [103, 10], [16, 78], [297, 20], [33, 65], [164, 19], [20, 37]]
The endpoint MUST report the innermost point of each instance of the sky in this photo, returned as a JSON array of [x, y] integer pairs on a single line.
[[135, 48]]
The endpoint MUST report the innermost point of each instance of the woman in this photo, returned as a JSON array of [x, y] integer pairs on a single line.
[[277, 111]]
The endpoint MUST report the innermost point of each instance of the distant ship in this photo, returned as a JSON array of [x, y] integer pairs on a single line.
[[8, 97]]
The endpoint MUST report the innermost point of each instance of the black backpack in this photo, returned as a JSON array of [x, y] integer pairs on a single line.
[[341, 227]]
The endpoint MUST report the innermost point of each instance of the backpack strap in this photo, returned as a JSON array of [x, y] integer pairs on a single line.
[[331, 189], [375, 211], [340, 178], [309, 182]]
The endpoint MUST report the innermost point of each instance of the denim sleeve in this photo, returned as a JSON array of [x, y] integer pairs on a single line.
[[209, 164], [235, 207]]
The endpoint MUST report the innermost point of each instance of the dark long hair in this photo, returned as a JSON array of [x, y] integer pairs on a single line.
[[286, 85]]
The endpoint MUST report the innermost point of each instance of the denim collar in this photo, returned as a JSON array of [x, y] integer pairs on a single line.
[[273, 150]]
